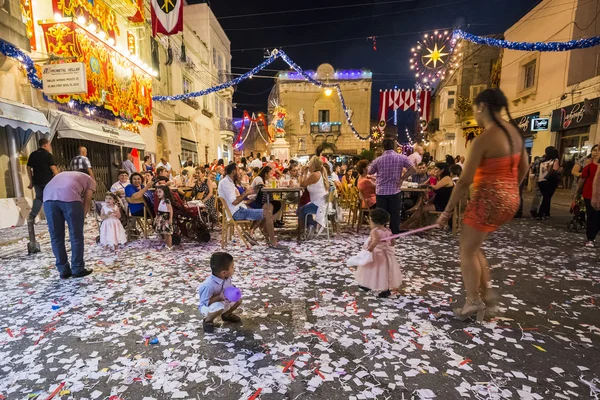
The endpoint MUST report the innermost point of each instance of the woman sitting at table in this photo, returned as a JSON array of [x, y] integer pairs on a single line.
[[204, 190], [443, 191], [258, 200], [318, 188], [366, 185], [147, 165]]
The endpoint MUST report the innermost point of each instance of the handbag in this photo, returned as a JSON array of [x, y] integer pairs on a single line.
[[362, 258]]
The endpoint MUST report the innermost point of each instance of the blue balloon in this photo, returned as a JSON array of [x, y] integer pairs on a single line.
[[232, 294]]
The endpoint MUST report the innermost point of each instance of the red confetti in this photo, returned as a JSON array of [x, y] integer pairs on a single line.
[[416, 331], [468, 333], [255, 395], [391, 332], [468, 360], [58, 389], [9, 332], [320, 374], [417, 344]]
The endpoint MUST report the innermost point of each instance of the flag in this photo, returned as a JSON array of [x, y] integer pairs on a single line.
[[383, 106], [167, 16], [409, 100], [425, 100], [395, 99]]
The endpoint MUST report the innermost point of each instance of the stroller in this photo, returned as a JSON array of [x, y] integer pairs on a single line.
[[190, 219], [578, 212]]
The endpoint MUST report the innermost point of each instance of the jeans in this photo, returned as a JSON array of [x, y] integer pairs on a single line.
[[547, 188], [592, 220], [391, 204], [57, 213], [535, 202], [38, 201], [310, 208]]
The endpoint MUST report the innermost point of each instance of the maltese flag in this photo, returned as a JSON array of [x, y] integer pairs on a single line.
[[167, 16]]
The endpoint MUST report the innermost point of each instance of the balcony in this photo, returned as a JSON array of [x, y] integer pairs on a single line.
[[325, 128], [225, 76], [192, 103], [226, 129]]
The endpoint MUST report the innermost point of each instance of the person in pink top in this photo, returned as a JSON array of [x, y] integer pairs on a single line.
[[67, 198], [366, 185]]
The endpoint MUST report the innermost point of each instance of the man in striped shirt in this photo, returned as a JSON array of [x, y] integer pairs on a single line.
[[81, 162]]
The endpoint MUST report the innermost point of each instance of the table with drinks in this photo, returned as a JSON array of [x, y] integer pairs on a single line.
[[282, 186]]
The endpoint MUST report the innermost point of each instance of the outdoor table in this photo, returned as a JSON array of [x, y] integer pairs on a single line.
[[282, 190], [420, 191]]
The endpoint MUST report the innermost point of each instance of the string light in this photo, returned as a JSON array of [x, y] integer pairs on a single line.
[[12, 51], [527, 46]]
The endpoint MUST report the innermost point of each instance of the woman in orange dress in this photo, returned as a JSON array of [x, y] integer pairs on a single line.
[[496, 166]]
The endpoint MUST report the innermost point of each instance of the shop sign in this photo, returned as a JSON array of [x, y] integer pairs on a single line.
[[540, 124], [575, 116], [66, 78], [524, 122]]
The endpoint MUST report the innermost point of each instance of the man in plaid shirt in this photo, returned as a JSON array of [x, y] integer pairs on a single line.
[[388, 168], [81, 162]]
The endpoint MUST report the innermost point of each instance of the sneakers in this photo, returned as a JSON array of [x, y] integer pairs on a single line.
[[83, 273], [589, 244], [231, 318]]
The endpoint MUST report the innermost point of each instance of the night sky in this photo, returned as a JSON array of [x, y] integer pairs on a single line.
[[397, 23]]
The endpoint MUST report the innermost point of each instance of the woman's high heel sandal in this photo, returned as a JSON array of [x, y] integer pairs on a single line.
[[471, 307]]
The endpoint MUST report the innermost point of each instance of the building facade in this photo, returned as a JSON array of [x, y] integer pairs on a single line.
[[451, 107], [316, 116], [561, 86], [124, 67]]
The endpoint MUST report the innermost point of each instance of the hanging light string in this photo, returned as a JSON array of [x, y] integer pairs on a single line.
[[12, 51], [527, 46], [275, 54]]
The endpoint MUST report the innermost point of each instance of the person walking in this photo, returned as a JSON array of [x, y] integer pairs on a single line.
[[128, 165], [585, 187], [548, 181], [388, 168], [41, 168], [496, 166], [67, 198], [81, 162]]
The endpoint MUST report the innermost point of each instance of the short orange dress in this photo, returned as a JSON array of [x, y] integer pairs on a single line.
[[495, 193]]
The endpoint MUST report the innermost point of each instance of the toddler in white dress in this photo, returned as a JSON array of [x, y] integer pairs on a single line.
[[112, 233]]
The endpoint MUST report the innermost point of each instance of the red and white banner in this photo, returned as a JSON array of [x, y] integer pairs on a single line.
[[425, 102], [383, 107], [167, 16]]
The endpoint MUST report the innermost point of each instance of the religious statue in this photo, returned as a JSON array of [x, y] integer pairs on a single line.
[[301, 115], [278, 116], [350, 114]]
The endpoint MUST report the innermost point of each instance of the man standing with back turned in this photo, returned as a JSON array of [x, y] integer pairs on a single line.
[[388, 168], [40, 168]]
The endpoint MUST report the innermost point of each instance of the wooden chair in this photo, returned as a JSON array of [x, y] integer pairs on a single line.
[[134, 221], [229, 225], [361, 211], [354, 205]]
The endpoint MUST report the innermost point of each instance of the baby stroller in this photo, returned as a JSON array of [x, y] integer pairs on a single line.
[[190, 219], [578, 212]]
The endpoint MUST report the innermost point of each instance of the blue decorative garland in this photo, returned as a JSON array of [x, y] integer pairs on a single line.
[[12, 51], [274, 56], [528, 46]]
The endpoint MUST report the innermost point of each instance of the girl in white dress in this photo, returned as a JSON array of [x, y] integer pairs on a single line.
[[112, 233]]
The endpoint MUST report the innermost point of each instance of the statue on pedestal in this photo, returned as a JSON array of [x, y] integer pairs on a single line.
[[301, 115]]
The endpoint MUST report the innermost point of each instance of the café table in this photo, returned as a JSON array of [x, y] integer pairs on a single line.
[[283, 190]]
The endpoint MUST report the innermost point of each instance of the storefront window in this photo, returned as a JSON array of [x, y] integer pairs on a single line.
[[574, 144]]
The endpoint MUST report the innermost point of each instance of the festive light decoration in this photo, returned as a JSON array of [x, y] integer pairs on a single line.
[[376, 135], [113, 81], [340, 74], [275, 54], [527, 46], [252, 121], [96, 12], [12, 51], [432, 56], [27, 15]]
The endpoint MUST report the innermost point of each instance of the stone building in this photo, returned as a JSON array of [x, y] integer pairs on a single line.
[[561, 86], [316, 115], [451, 106]]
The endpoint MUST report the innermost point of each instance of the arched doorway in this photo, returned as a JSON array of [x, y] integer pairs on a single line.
[[161, 141]]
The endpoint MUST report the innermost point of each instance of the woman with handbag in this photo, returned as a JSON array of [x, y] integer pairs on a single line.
[[585, 187], [548, 181]]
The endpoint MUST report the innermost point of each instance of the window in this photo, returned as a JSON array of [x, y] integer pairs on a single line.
[[214, 56], [216, 110], [188, 85], [323, 115], [529, 74], [450, 98], [205, 102], [475, 90], [155, 56]]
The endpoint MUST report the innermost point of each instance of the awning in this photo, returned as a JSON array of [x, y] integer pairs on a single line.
[[19, 115], [70, 126]]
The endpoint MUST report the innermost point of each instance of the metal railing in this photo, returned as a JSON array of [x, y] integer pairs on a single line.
[[226, 124]]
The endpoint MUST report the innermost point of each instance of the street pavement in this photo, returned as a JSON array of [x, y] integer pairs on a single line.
[[307, 332]]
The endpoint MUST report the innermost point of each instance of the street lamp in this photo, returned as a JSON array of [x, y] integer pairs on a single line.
[[328, 92]]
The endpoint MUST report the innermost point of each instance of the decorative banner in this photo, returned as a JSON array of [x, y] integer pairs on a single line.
[[131, 42], [252, 120], [27, 15], [383, 106], [113, 82], [9, 50], [471, 133], [275, 54], [425, 104], [95, 11], [138, 18], [167, 16], [527, 46]]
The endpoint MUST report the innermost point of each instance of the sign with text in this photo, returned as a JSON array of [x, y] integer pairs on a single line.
[[575, 115], [540, 124], [524, 122], [66, 78]]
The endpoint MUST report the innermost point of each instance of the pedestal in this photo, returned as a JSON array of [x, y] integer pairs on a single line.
[[280, 148]]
